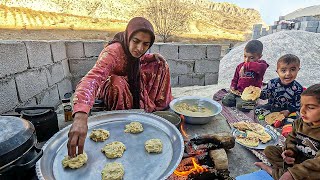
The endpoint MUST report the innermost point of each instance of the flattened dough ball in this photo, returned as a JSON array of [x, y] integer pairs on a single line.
[[134, 127], [153, 146], [76, 162], [99, 135], [113, 171], [114, 149]]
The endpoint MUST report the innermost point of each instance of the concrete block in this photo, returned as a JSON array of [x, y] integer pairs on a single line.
[[174, 79], [155, 48], [181, 67], [313, 24], [39, 53], [64, 87], [282, 26], [75, 49], [213, 52], [257, 27], [30, 83], [281, 18], [307, 18], [55, 73], [310, 29], [185, 80], [75, 81], [58, 49], [8, 95], [274, 31], [192, 51], [13, 58], [205, 66], [198, 79], [49, 97], [211, 78], [297, 25], [264, 32], [318, 29], [80, 67], [65, 66], [93, 49], [169, 51]]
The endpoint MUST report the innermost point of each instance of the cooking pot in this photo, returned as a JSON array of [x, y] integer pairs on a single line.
[[18, 151], [44, 119]]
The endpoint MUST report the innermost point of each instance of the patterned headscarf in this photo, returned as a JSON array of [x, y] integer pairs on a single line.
[[133, 66]]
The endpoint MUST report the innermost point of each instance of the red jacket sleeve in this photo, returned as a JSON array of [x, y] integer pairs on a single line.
[[88, 86], [258, 67], [234, 81]]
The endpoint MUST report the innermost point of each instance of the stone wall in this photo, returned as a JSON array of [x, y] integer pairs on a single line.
[[41, 72], [307, 23]]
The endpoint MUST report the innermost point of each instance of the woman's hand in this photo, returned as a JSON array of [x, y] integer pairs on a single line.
[[77, 134], [287, 156], [159, 57], [286, 176]]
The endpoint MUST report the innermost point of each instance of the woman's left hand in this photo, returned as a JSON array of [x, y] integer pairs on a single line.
[[286, 176], [159, 57]]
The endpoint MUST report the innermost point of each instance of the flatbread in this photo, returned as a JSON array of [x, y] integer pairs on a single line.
[[113, 171], [76, 162], [134, 128], [251, 142], [99, 135], [245, 125], [272, 117], [265, 137], [251, 93], [242, 125], [114, 149], [153, 146]]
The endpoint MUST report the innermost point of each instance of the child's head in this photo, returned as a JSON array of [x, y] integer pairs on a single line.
[[310, 105], [253, 51], [287, 68]]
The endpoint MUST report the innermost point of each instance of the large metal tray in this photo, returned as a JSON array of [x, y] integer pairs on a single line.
[[138, 164], [274, 138]]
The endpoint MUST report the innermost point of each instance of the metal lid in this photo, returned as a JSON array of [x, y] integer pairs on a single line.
[[14, 132]]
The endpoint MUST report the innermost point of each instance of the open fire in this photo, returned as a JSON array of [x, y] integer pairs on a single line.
[[204, 157]]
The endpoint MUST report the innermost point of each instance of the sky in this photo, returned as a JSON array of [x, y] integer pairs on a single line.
[[270, 10]]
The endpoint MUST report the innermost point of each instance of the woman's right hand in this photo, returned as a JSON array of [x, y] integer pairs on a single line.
[[287, 156], [77, 134]]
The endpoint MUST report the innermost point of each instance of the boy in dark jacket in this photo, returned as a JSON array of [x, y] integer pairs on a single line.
[[248, 73], [300, 156]]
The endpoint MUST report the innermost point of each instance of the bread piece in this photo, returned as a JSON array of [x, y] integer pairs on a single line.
[[264, 137], [250, 142], [272, 117], [251, 93]]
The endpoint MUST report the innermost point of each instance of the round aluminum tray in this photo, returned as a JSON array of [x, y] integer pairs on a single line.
[[138, 164]]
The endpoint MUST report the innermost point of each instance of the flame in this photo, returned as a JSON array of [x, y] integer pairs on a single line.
[[197, 168], [184, 133]]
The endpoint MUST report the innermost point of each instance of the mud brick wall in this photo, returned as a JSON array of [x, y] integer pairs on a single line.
[[41, 72]]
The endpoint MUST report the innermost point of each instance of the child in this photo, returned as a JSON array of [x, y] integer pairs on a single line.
[[283, 93], [300, 158], [248, 73]]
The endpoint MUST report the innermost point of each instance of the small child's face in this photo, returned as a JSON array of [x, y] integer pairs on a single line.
[[251, 57], [310, 109], [287, 72]]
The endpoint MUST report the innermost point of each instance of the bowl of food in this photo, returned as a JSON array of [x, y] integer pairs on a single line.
[[170, 116], [196, 110]]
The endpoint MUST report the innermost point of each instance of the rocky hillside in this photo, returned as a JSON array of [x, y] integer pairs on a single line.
[[209, 19], [308, 11]]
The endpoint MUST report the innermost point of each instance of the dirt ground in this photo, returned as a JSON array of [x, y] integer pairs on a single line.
[[54, 34]]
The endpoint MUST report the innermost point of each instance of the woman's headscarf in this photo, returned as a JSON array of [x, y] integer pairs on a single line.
[[133, 66]]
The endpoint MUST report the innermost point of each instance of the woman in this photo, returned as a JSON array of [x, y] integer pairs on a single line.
[[124, 78]]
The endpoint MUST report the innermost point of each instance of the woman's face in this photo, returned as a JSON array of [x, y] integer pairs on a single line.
[[139, 43]]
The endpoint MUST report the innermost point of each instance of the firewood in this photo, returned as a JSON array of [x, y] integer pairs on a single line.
[[219, 158], [223, 140]]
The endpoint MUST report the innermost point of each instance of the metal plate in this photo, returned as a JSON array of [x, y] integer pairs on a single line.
[[138, 164], [274, 138]]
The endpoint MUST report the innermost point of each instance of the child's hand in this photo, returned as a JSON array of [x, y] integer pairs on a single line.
[[234, 91], [287, 156], [286, 176], [285, 113], [241, 72]]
